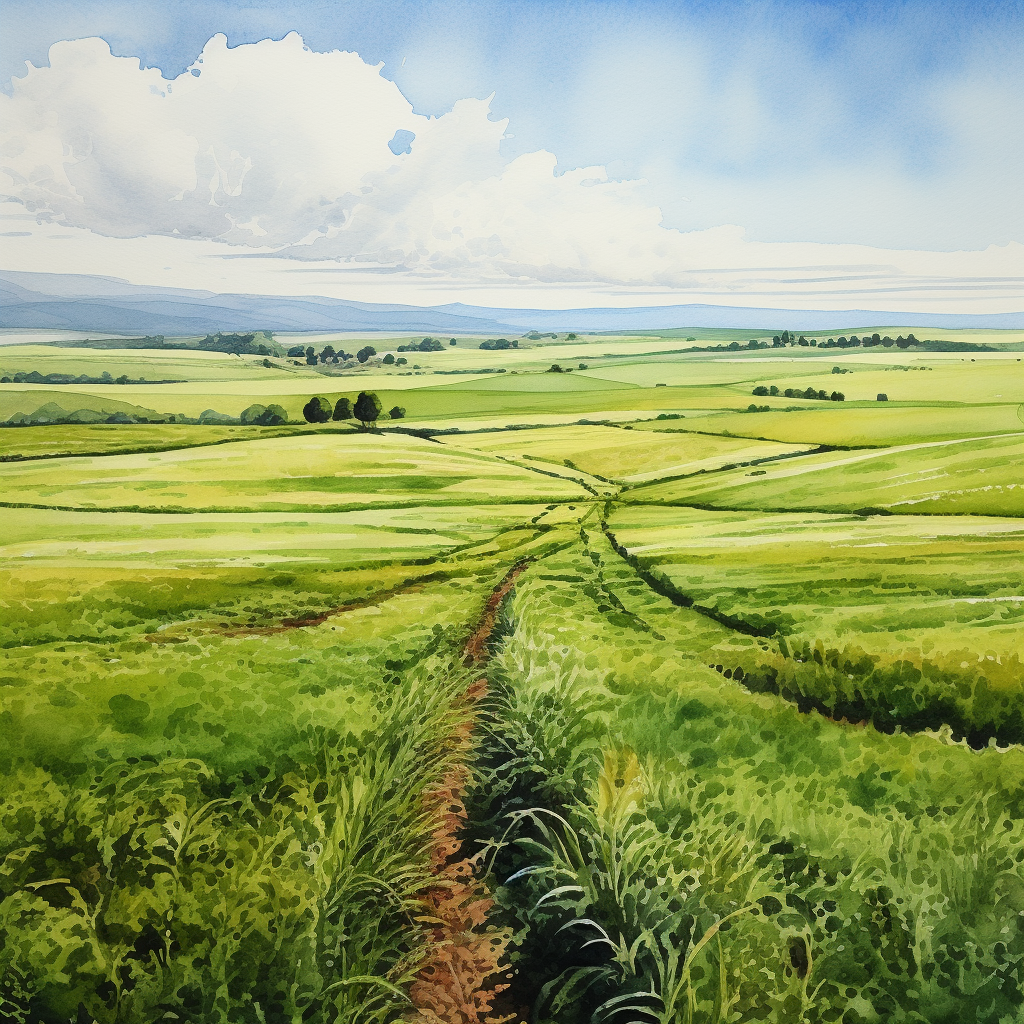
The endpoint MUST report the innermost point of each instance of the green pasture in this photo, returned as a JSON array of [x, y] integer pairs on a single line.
[[138, 364], [752, 742], [621, 454], [895, 585], [980, 476], [115, 438], [878, 425], [864, 874], [231, 765], [327, 471]]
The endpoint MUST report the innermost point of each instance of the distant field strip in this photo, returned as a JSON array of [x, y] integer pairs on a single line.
[[879, 425], [980, 476], [323, 471], [627, 456]]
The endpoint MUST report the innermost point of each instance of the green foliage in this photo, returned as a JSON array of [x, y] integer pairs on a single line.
[[342, 409], [317, 410], [368, 408]]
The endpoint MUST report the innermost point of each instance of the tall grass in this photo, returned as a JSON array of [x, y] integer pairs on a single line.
[[146, 893], [711, 856]]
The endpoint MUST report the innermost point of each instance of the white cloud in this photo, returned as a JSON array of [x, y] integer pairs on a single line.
[[276, 152]]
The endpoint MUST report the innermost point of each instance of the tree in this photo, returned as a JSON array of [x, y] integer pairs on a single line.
[[296, 352], [555, 368], [367, 408], [317, 410], [364, 353], [773, 390], [342, 410], [881, 398], [583, 366], [388, 360], [451, 341], [401, 361], [268, 364], [274, 416], [252, 414], [570, 337], [838, 396], [760, 390], [397, 412], [327, 352]]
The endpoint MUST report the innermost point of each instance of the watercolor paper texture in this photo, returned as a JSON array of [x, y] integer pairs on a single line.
[[511, 513]]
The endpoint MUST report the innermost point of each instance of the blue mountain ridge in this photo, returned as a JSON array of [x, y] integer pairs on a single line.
[[107, 305]]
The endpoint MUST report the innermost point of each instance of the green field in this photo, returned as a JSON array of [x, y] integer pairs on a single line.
[[325, 471], [972, 477], [625, 456], [552, 712]]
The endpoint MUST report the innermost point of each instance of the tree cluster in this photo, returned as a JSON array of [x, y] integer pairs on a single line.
[[426, 345], [264, 415], [821, 396], [498, 344], [367, 409]]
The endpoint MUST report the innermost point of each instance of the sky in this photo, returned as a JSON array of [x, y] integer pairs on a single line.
[[802, 155]]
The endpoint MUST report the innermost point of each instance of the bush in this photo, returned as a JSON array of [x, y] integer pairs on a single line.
[[317, 410], [397, 412]]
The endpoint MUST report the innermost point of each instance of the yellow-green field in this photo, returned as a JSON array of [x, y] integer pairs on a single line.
[[627, 456], [634, 705]]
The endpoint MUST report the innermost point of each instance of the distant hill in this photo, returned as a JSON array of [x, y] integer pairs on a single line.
[[107, 305]]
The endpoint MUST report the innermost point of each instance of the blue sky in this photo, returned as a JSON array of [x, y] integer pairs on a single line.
[[801, 121], [898, 127]]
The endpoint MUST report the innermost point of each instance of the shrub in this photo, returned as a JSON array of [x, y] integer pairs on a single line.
[[317, 410]]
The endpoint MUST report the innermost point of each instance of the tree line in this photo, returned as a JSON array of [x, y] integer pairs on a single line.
[[821, 396], [367, 409]]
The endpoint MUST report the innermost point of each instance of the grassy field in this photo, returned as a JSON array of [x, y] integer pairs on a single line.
[[623, 455], [899, 619], [715, 717], [325, 471], [974, 477], [877, 425]]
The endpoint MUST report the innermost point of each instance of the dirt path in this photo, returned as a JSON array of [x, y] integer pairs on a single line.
[[462, 974]]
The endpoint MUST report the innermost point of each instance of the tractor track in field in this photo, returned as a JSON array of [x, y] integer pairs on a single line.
[[463, 972]]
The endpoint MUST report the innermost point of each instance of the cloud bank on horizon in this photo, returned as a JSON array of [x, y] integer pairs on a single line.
[[272, 167]]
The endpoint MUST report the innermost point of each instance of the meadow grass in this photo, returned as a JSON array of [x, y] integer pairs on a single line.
[[144, 364], [717, 854], [878, 425], [757, 764], [623, 455], [230, 822], [978, 476], [906, 621], [116, 438], [320, 472]]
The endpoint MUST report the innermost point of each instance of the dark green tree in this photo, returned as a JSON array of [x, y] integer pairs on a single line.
[[451, 341], [364, 353], [342, 410], [367, 408], [274, 416], [388, 360], [317, 410], [397, 412]]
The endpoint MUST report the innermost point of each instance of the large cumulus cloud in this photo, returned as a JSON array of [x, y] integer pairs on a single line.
[[273, 145], [276, 152]]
